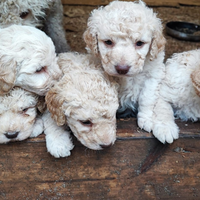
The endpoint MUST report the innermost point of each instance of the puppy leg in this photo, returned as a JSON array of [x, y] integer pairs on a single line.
[[165, 128], [54, 27], [147, 101], [38, 127], [58, 139]]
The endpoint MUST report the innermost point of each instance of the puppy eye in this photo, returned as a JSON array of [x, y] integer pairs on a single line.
[[25, 110], [86, 123], [139, 44], [109, 43], [42, 69], [23, 15]]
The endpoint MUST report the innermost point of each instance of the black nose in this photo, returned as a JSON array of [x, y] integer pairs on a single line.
[[11, 135], [105, 146], [122, 69]]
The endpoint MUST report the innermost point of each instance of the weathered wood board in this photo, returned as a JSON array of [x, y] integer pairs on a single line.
[[136, 167]]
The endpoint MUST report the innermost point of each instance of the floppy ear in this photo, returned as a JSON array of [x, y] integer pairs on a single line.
[[195, 77], [54, 101], [91, 41], [41, 105], [7, 74], [158, 44]]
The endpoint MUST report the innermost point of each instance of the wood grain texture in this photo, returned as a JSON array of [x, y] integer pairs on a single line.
[[148, 2], [136, 167]]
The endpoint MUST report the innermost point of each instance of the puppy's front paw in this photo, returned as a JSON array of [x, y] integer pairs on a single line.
[[59, 146], [38, 128], [166, 132], [145, 123]]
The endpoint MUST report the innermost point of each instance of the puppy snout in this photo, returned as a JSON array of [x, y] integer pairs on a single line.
[[11, 134], [103, 146], [122, 69]]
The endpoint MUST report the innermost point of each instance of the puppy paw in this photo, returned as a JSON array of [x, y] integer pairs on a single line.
[[60, 145], [145, 124], [166, 132], [38, 128]]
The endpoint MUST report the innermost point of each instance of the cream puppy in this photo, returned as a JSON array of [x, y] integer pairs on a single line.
[[18, 116], [27, 60], [181, 86], [86, 101]]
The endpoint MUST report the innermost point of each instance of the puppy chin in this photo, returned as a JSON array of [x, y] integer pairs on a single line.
[[97, 146]]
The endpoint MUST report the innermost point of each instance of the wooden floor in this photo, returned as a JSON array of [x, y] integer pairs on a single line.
[[136, 167]]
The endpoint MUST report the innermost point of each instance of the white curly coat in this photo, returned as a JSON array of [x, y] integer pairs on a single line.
[[27, 60], [46, 15], [127, 37], [84, 99], [18, 116], [180, 86]]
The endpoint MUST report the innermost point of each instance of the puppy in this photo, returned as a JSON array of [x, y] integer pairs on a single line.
[[46, 15], [127, 38], [181, 86], [18, 116], [27, 60], [86, 101]]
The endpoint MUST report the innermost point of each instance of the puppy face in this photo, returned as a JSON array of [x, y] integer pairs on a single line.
[[124, 35], [28, 60], [93, 125], [19, 12], [87, 101], [17, 115]]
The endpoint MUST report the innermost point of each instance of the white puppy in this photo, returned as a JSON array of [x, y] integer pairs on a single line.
[[86, 100], [27, 60], [181, 86], [46, 15], [18, 111], [127, 37]]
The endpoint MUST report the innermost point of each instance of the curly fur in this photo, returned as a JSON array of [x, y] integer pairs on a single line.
[[127, 37], [46, 15], [18, 116], [85, 99], [27, 59], [180, 86]]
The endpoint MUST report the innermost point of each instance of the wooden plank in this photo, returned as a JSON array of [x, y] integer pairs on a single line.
[[148, 2], [128, 129], [135, 167], [28, 172]]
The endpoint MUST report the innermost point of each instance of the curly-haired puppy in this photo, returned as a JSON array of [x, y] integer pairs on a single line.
[[46, 15], [18, 116], [127, 37], [86, 100], [27, 60], [181, 86]]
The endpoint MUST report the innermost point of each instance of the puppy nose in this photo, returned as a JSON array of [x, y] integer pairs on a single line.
[[122, 69], [11, 135], [105, 146]]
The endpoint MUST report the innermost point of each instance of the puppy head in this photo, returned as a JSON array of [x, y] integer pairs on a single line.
[[27, 59], [17, 115], [86, 100], [124, 35], [28, 12]]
